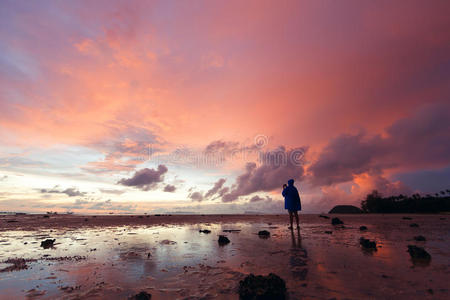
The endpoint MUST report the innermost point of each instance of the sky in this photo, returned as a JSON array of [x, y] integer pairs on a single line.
[[210, 106]]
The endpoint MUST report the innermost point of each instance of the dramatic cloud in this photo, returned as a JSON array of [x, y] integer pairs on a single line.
[[276, 168], [145, 179], [216, 188], [169, 188], [421, 140], [71, 192]]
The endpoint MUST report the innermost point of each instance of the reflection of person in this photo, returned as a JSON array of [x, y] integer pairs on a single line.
[[292, 202]]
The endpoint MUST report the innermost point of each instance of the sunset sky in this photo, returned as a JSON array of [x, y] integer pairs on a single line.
[[210, 106]]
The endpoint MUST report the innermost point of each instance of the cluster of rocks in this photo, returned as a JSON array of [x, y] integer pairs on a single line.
[[262, 287]]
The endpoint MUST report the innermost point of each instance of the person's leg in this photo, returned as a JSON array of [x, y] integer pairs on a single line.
[[291, 217], [296, 219]]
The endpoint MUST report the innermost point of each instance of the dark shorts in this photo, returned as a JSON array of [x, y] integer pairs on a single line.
[[292, 211]]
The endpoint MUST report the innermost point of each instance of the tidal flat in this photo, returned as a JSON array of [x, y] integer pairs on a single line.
[[116, 257]]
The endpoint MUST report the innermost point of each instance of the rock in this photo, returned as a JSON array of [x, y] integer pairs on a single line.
[[407, 218], [231, 230], [418, 253], [362, 228], [204, 231], [264, 234], [336, 221], [420, 238], [262, 287], [345, 209], [323, 216], [141, 296], [223, 240], [329, 232], [45, 216], [413, 225], [368, 244], [48, 243]]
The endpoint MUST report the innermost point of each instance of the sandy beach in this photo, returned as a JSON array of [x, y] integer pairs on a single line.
[[116, 257]]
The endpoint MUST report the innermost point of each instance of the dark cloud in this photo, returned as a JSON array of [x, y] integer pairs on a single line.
[[216, 188], [71, 192], [169, 188], [421, 140], [145, 179], [196, 196], [275, 168]]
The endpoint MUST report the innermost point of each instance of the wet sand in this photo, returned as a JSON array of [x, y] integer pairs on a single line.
[[115, 257]]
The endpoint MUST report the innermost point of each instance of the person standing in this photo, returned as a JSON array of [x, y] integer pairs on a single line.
[[292, 202]]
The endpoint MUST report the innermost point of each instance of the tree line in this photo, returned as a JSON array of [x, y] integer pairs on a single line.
[[416, 203]]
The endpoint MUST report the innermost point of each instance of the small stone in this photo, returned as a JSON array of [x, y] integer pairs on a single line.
[[48, 243], [413, 225], [329, 232], [336, 221], [362, 228], [223, 240], [262, 287], [368, 244], [323, 216], [264, 234], [407, 218], [204, 231], [418, 253]]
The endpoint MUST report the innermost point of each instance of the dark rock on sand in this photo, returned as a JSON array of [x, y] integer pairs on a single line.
[[368, 244], [223, 240], [231, 230], [407, 218], [264, 234], [45, 216], [336, 221], [204, 231], [328, 232], [48, 243], [413, 225], [362, 228], [323, 216], [262, 287], [418, 253], [420, 238], [345, 209], [141, 296]]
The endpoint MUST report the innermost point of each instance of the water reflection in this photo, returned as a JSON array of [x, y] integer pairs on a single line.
[[114, 262]]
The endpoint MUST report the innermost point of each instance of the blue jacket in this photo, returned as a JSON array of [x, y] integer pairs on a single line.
[[291, 197]]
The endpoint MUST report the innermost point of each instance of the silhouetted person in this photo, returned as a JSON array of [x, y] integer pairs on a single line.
[[292, 201]]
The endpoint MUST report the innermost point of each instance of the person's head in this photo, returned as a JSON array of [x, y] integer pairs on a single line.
[[291, 181], [284, 186]]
